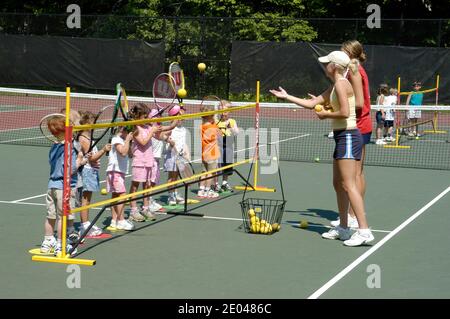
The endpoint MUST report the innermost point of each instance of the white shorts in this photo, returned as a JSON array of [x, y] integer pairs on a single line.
[[414, 114]]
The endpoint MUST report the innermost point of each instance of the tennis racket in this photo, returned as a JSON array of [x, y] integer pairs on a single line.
[[106, 115], [163, 92], [184, 165], [49, 120], [120, 105], [177, 82]]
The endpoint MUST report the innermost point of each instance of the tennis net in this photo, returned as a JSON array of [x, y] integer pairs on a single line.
[[297, 133]]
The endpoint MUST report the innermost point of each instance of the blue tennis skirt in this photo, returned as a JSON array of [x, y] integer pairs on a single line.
[[348, 144]]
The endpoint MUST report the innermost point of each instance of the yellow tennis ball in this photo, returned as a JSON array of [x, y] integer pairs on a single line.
[[253, 228], [303, 224], [276, 226], [270, 228], [103, 191], [263, 222], [201, 67], [317, 160], [251, 212], [318, 108], [258, 210], [254, 220], [182, 93], [417, 137]]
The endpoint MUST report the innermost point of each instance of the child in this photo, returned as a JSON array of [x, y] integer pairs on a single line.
[[90, 175], [229, 129], [389, 100], [55, 189], [210, 151], [176, 145], [414, 114], [158, 148], [143, 162], [115, 181], [380, 115]]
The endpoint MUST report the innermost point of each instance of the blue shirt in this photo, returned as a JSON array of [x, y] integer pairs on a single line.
[[56, 160], [416, 99]]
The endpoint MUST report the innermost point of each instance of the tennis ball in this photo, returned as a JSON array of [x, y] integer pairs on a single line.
[[201, 67], [270, 228], [263, 222], [254, 220], [417, 137], [318, 108], [258, 210], [317, 160], [103, 191], [303, 224], [251, 212], [276, 227], [253, 228], [182, 93]]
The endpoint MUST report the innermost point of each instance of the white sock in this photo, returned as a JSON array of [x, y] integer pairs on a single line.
[[364, 231]]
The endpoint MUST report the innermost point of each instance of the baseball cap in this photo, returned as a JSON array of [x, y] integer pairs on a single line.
[[337, 57]]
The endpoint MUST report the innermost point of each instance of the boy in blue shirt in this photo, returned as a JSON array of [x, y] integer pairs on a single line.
[[54, 196]]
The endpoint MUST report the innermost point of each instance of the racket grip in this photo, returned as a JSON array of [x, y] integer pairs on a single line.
[[109, 142]]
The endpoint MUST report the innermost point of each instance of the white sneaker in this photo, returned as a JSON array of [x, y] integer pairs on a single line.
[[148, 214], [125, 224], [212, 194], [172, 201], [112, 226], [352, 222], [202, 193], [331, 134], [95, 231], [337, 233], [359, 239], [179, 199], [380, 142], [48, 246], [135, 216], [155, 207], [58, 250]]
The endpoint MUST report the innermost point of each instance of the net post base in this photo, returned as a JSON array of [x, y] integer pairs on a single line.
[[397, 146], [256, 188], [62, 260]]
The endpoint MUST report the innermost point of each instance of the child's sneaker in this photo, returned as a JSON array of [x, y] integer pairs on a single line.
[[148, 214], [179, 199], [202, 193], [155, 207], [172, 200], [73, 237], [337, 233], [136, 217], [112, 226], [48, 246], [215, 188], [226, 188], [359, 238], [58, 250], [93, 232], [212, 194], [125, 225]]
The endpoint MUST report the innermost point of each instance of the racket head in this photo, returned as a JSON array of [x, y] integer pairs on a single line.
[[177, 74], [52, 126], [163, 91], [105, 115], [184, 166], [122, 101]]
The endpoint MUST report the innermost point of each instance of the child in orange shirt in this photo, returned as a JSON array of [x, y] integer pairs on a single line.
[[210, 151]]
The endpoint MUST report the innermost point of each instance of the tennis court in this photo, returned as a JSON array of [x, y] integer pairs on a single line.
[[211, 257]]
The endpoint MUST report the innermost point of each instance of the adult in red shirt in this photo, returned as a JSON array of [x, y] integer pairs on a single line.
[[360, 84]]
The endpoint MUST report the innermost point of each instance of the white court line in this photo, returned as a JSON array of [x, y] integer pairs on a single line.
[[374, 248], [194, 161]]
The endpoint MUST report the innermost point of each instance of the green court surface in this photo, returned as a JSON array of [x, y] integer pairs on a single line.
[[211, 257]]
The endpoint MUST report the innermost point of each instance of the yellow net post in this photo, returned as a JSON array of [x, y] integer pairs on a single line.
[[65, 258], [256, 157]]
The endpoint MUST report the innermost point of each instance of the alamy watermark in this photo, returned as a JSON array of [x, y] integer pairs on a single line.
[[74, 19], [374, 279], [74, 279], [374, 19]]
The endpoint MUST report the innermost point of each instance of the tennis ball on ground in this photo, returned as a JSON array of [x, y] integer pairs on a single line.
[[417, 137], [317, 160], [201, 67], [318, 108], [303, 224], [103, 191], [182, 93]]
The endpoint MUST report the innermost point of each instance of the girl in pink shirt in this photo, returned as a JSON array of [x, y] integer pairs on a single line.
[[143, 161]]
